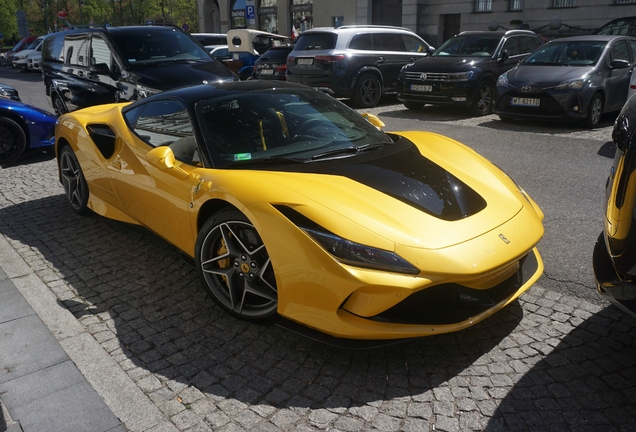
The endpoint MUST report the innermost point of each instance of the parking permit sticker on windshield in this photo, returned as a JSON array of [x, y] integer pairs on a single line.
[[242, 156]]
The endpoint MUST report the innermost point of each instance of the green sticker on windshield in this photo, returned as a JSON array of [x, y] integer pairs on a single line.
[[242, 156]]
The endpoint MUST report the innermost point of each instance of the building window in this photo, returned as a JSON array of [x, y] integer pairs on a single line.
[[237, 15], [483, 5], [515, 5], [623, 2], [302, 15], [268, 16], [564, 3]]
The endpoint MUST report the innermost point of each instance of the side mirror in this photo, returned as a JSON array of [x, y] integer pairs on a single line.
[[430, 50], [620, 64], [504, 56], [374, 120], [162, 157], [100, 69]]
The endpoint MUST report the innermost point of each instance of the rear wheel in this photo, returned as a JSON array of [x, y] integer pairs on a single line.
[[594, 111], [73, 181], [484, 98], [235, 267], [367, 91], [13, 141]]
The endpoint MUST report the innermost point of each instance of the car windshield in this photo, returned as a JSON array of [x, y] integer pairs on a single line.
[[567, 53], [273, 126], [144, 47], [469, 46]]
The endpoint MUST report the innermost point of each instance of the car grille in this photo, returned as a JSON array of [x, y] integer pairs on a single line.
[[434, 77], [453, 303]]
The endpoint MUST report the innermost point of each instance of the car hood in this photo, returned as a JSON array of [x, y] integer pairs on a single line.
[[168, 76], [544, 75], [447, 64], [388, 199]]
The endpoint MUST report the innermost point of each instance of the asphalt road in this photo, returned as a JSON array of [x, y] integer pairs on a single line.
[[556, 359]]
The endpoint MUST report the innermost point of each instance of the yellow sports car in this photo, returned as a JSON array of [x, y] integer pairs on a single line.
[[294, 207]]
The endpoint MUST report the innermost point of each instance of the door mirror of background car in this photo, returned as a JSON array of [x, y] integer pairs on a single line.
[[163, 158], [503, 56], [619, 64], [100, 69]]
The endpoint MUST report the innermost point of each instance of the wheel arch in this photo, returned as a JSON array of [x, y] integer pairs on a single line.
[[367, 69], [210, 208]]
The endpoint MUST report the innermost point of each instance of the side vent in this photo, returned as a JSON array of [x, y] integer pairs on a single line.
[[104, 139]]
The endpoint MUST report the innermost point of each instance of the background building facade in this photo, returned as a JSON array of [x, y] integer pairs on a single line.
[[435, 20]]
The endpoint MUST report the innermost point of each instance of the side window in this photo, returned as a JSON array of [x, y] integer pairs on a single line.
[[390, 42], [619, 51], [76, 49], [511, 46], [100, 53], [52, 50], [528, 44], [165, 123], [414, 44], [633, 46], [362, 42]]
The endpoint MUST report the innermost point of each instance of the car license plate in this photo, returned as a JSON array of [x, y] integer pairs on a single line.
[[421, 88], [304, 61], [267, 71], [525, 101]]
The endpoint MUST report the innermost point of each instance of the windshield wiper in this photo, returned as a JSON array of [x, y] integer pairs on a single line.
[[351, 151]]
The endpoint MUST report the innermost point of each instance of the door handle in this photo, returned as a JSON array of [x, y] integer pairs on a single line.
[[380, 60]]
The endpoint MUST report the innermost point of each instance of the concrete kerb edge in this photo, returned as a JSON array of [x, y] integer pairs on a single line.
[[133, 408]]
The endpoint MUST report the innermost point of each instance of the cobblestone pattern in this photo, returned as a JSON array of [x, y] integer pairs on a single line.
[[545, 363]]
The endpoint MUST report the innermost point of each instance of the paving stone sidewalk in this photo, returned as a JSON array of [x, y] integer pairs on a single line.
[[547, 362]]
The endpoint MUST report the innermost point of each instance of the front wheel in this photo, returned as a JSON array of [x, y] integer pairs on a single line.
[[58, 105], [594, 112], [13, 141], [367, 91], [235, 267], [484, 99], [73, 181]]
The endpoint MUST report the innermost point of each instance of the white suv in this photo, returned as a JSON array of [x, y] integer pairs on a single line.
[[357, 62]]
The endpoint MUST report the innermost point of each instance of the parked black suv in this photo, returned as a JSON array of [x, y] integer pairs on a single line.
[[357, 62], [464, 70], [88, 67]]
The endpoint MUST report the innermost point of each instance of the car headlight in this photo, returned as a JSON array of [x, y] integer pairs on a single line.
[[502, 81], [144, 91], [360, 255], [461, 76], [574, 84]]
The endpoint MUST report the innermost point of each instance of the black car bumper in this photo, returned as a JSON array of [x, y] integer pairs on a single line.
[[621, 293], [460, 94]]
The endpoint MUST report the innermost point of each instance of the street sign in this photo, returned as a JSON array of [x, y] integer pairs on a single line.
[[250, 12]]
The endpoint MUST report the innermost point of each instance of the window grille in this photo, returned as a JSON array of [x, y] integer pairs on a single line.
[[517, 5], [564, 3], [483, 5]]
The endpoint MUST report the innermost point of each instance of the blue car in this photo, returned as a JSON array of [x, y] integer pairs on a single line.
[[22, 127]]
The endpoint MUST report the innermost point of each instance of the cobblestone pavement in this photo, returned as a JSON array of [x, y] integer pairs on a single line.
[[545, 363]]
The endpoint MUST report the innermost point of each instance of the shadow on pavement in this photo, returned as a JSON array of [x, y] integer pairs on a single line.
[[149, 311]]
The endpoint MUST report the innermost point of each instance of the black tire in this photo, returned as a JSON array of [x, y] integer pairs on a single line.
[[594, 112], [58, 105], [414, 105], [235, 267], [367, 92], [13, 141], [484, 99], [73, 181]]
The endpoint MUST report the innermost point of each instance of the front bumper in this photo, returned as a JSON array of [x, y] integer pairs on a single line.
[[621, 293], [460, 94], [563, 105]]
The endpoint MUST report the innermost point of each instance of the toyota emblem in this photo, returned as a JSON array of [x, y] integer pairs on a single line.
[[423, 77], [526, 88]]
